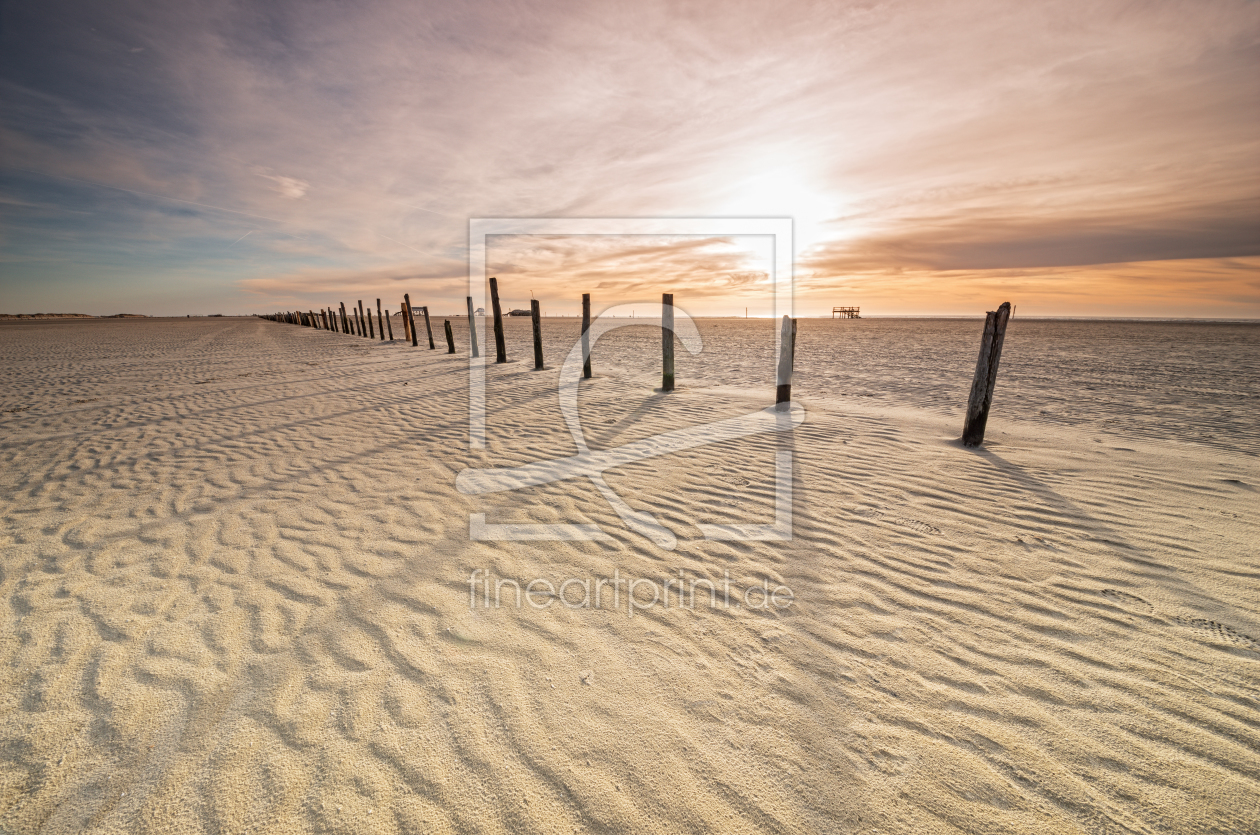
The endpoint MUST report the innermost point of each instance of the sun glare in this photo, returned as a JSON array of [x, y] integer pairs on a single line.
[[784, 193]]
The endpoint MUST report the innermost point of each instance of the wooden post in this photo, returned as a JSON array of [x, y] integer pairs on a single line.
[[406, 327], [986, 375], [362, 323], [472, 330], [389, 323], [787, 358], [667, 342], [380, 321], [371, 325], [345, 326], [450, 337], [586, 336], [500, 350], [427, 327], [533, 315], [411, 320]]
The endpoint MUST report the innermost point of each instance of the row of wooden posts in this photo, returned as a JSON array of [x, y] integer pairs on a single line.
[[359, 323]]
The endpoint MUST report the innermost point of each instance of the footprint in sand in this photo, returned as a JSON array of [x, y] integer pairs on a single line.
[[912, 524], [1131, 601], [1219, 633], [1209, 630]]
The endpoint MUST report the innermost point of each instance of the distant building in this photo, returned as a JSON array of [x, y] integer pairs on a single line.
[[518, 312]]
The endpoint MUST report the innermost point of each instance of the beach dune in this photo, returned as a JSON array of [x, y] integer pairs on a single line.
[[238, 590]]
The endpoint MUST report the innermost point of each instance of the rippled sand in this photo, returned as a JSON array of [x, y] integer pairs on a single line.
[[234, 594]]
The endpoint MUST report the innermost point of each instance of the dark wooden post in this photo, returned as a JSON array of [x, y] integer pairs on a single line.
[[389, 323], [986, 375], [500, 350], [345, 323], [362, 323], [586, 336], [787, 359], [371, 325], [472, 330], [534, 316], [406, 328], [450, 337], [667, 342], [411, 320], [427, 327], [380, 321]]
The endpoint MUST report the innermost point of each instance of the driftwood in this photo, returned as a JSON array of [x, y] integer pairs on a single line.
[[536, 318], [667, 342], [586, 336], [986, 375], [472, 330], [500, 350], [787, 358]]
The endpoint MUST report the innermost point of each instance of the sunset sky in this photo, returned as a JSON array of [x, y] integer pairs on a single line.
[[1080, 159]]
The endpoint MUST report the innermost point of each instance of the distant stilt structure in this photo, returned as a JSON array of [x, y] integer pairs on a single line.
[[846, 312], [983, 383]]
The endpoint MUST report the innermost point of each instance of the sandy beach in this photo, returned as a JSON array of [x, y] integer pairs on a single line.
[[235, 589]]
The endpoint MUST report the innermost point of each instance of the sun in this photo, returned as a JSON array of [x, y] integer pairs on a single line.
[[784, 192]]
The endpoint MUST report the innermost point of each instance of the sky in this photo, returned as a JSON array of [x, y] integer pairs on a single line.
[[1076, 158]]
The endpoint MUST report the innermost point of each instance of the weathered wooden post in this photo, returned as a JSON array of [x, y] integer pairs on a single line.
[[362, 323], [427, 327], [787, 358], [345, 323], [472, 330], [389, 323], [380, 321], [500, 350], [537, 320], [667, 342], [586, 336], [411, 319], [450, 337], [986, 375], [371, 324], [406, 326]]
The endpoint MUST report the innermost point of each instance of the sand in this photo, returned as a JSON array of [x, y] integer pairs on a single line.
[[234, 594]]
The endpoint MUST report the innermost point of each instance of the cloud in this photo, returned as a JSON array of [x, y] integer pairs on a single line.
[[901, 134], [289, 187]]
